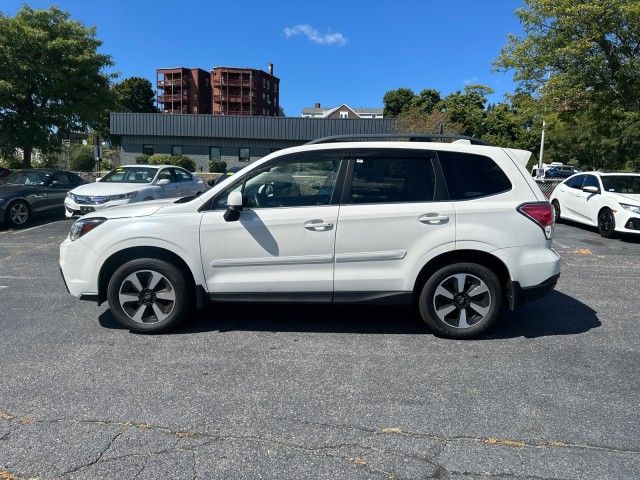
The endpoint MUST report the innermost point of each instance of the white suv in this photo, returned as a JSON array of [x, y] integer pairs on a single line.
[[457, 229]]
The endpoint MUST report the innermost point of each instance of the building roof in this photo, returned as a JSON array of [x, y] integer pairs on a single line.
[[329, 110], [256, 127]]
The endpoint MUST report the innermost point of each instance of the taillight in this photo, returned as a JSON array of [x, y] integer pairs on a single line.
[[541, 213]]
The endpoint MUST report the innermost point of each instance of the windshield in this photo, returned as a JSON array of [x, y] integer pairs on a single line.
[[621, 183], [130, 175], [26, 178]]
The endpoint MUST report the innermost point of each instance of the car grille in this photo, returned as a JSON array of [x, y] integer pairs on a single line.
[[86, 200]]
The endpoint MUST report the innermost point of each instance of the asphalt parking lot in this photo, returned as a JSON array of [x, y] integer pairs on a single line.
[[321, 392]]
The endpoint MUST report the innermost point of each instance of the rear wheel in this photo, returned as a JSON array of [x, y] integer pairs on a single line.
[[606, 223], [18, 214], [148, 295], [556, 210], [461, 300]]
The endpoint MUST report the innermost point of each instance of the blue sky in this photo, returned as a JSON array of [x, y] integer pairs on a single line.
[[325, 51]]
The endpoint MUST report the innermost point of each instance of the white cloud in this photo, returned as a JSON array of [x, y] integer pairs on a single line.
[[315, 36]]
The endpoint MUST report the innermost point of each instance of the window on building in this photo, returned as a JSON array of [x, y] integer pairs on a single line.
[[472, 176], [344, 114], [393, 177], [214, 154], [244, 155], [147, 150], [176, 149]]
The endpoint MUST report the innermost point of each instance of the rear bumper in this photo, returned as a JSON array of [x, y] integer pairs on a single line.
[[519, 295]]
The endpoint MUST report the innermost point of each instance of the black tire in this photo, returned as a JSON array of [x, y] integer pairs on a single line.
[[175, 283], [606, 223], [556, 210], [23, 207], [478, 323]]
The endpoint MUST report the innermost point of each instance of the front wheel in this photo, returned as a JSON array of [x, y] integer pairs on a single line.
[[606, 223], [18, 214], [461, 301], [556, 210], [148, 295]]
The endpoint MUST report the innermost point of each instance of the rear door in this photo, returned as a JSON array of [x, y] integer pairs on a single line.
[[571, 193], [394, 212], [589, 204], [187, 182]]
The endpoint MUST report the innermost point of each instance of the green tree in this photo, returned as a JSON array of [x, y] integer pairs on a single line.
[[179, 160], [426, 100], [467, 108], [51, 80], [82, 159], [582, 59], [397, 101], [217, 166], [134, 94], [415, 120]]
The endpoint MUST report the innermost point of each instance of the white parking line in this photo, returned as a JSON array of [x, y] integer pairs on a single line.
[[37, 226], [4, 286]]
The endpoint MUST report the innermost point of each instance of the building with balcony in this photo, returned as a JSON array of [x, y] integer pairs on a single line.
[[183, 90], [245, 91], [342, 111]]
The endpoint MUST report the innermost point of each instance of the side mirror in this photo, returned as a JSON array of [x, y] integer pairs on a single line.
[[163, 181], [591, 189], [234, 206]]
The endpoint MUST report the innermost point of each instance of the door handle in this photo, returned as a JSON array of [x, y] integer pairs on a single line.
[[433, 219], [39, 196], [318, 225]]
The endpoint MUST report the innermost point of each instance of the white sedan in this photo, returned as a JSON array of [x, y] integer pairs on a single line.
[[609, 201], [133, 183]]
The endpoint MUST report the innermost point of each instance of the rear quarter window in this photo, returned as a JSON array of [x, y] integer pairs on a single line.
[[471, 176]]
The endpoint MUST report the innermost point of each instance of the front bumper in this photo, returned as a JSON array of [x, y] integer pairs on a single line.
[[73, 209], [627, 222], [77, 265]]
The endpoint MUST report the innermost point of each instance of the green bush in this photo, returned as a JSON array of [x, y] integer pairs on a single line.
[[82, 159], [177, 160], [217, 166], [142, 159]]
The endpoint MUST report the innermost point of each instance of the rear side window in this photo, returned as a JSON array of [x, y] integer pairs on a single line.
[[471, 176], [392, 177], [591, 181], [575, 182]]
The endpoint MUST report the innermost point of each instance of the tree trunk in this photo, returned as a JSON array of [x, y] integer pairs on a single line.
[[26, 157]]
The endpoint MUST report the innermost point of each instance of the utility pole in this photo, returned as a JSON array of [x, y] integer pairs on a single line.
[[544, 124]]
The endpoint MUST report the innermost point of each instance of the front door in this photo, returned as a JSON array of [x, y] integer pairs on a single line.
[[394, 211], [282, 246]]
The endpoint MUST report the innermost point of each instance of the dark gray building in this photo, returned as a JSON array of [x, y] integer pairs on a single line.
[[236, 140]]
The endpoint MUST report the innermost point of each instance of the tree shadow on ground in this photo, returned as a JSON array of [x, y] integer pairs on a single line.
[[557, 314]]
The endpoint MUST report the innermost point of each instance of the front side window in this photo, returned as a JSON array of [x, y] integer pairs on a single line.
[[130, 175], [298, 180], [575, 182], [591, 181], [392, 177], [471, 176], [176, 149], [244, 155], [26, 177]]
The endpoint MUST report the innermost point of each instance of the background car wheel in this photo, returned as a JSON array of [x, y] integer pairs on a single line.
[[148, 295], [556, 210], [461, 300], [18, 214], [606, 223]]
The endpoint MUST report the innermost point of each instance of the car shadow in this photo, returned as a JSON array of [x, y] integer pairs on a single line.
[[36, 222], [557, 314], [623, 237]]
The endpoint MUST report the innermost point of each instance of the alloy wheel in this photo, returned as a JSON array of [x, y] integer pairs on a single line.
[[147, 296], [19, 213], [462, 300], [605, 222]]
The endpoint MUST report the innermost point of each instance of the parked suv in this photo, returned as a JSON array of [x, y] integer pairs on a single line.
[[457, 229]]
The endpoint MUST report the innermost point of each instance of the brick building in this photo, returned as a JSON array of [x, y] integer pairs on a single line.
[[223, 91], [245, 91], [183, 90]]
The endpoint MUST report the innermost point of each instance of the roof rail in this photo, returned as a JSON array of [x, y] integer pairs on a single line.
[[412, 137]]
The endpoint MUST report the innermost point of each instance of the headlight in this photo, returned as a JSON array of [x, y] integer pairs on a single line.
[[83, 226], [123, 196], [631, 208], [70, 195]]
